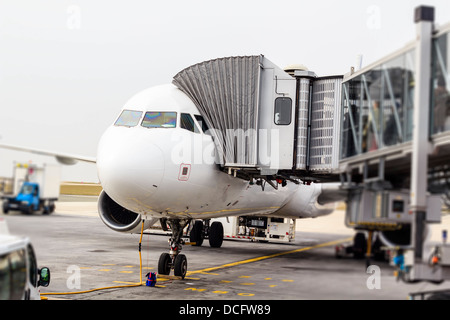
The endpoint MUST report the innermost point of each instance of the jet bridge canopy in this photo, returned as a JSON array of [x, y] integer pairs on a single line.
[[226, 91], [265, 121]]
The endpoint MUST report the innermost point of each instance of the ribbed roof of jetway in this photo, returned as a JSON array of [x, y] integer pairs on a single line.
[[226, 92]]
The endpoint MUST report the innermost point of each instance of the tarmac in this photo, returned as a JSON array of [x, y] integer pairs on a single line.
[[87, 260]]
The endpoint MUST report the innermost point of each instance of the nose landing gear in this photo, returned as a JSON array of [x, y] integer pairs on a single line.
[[174, 259]]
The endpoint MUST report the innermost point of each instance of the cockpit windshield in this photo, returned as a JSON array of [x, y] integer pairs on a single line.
[[128, 118], [160, 120]]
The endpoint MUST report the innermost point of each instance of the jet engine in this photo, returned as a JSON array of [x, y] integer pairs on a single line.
[[118, 218]]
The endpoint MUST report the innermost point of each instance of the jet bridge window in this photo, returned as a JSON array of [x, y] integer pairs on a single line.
[[160, 120], [186, 122], [128, 118], [283, 111]]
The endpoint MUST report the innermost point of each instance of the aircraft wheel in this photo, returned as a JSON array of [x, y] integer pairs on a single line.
[[180, 267], [216, 234], [164, 263], [196, 234]]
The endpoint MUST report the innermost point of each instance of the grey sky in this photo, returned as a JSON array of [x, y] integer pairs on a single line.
[[67, 67]]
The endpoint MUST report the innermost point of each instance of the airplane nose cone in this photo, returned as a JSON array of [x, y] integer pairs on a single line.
[[130, 167]]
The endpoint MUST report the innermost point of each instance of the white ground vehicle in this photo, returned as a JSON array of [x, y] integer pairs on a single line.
[[33, 189], [19, 273], [257, 228], [250, 228]]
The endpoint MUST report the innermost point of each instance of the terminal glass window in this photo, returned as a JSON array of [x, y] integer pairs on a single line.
[[350, 142], [440, 115], [377, 106], [160, 120], [283, 111], [186, 122], [128, 118]]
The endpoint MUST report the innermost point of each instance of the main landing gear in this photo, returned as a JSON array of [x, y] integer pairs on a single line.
[[213, 231]]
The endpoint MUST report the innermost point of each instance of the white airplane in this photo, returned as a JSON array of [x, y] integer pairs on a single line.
[[156, 161]]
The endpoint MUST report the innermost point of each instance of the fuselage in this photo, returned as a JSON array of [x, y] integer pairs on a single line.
[[157, 159]]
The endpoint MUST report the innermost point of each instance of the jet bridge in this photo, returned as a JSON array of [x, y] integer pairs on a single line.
[[383, 132], [395, 149], [266, 122]]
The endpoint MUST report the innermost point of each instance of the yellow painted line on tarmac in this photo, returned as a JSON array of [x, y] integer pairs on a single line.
[[210, 273], [246, 294], [238, 263]]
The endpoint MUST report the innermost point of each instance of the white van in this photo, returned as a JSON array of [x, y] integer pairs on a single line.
[[19, 273]]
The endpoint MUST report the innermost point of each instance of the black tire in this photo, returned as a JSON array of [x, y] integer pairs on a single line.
[[5, 207], [216, 234], [164, 263], [28, 210], [180, 268], [359, 245], [49, 209], [196, 234]]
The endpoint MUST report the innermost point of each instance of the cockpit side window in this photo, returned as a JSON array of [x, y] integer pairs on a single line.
[[186, 122], [159, 120], [202, 123], [128, 118]]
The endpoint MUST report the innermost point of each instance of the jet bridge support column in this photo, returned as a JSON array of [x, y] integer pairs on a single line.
[[424, 18]]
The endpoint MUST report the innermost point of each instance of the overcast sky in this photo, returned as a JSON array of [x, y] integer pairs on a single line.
[[67, 67]]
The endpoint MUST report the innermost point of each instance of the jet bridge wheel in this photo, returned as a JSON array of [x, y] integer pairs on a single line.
[[359, 245]]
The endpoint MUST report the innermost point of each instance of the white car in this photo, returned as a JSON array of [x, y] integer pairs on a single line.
[[20, 277]]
